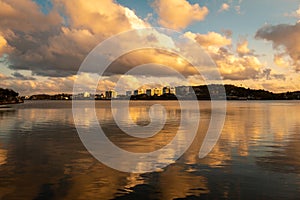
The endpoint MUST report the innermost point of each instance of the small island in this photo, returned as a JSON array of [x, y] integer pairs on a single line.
[[8, 96]]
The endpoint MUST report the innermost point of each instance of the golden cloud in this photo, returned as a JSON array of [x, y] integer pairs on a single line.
[[209, 39], [242, 47], [152, 57], [178, 14], [103, 17], [24, 15], [282, 60], [224, 7], [3, 44], [239, 65], [55, 44]]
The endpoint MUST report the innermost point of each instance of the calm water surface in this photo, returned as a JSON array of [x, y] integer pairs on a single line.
[[256, 157]]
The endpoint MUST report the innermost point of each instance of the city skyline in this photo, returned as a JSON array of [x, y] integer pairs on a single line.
[[253, 43], [200, 92]]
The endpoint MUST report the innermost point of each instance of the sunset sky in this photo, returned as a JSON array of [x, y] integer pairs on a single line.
[[253, 43]]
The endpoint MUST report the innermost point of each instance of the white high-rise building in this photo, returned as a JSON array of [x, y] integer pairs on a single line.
[[138, 92], [157, 91], [111, 94]]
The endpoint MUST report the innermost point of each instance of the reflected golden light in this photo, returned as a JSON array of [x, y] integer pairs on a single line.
[[175, 182], [139, 113], [133, 180], [3, 156], [250, 128]]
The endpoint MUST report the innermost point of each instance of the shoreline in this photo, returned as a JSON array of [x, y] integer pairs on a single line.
[[164, 100], [18, 101]]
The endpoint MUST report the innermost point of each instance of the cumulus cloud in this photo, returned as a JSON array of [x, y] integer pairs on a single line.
[[238, 9], [103, 17], [209, 39], [295, 14], [3, 77], [285, 39], [25, 16], [282, 60], [52, 85], [3, 45], [178, 14], [224, 7], [155, 60], [239, 65], [55, 44], [242, 48], [235, 67]]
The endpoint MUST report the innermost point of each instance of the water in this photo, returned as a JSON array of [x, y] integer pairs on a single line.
[[256, 157]]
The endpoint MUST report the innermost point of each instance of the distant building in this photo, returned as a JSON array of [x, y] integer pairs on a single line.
[[122, 96], [166, 90], [78, 96], [86, 95], [172, 90], [183, 90], [111, 94], [150, 92], [157, 91], [128, 93], [138, 92], [99, 96], [82, 96]]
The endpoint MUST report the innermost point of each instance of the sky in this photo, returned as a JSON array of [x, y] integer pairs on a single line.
[[253, 43]]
